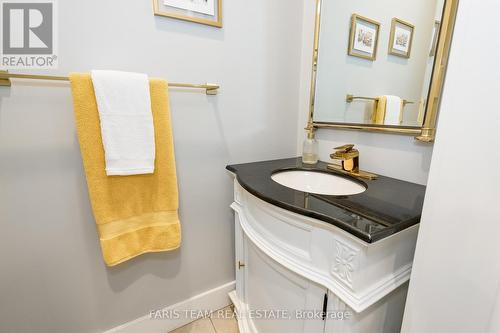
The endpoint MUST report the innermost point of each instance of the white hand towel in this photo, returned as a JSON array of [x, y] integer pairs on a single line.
[[124, 105], [393, 109]]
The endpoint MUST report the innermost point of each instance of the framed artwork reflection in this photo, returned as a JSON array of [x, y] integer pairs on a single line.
[[208, 12], [363, 39], [401, 38]]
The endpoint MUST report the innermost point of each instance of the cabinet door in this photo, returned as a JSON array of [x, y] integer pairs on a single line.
[[272, 291]]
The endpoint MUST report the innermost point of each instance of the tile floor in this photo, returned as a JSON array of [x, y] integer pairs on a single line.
[[222, 321]]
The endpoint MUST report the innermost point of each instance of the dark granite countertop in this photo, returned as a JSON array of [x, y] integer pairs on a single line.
[[386, 207]]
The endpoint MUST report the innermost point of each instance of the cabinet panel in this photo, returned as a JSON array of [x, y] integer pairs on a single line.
[[240, 258], [385, 316]]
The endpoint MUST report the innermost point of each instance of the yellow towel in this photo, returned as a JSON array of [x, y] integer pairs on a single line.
[[134, 214], [378, 116]]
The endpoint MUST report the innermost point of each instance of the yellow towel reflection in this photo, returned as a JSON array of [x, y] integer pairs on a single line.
[[388, 111]]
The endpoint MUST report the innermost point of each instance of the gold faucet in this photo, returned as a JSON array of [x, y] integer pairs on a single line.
[[349, 158]]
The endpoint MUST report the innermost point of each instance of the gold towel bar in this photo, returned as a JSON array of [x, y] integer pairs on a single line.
[[210, 88], [350, 98]]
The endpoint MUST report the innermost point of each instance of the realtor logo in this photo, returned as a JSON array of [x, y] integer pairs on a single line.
[[28, 34]]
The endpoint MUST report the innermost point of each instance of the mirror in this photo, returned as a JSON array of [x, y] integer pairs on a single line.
[[380, 65]]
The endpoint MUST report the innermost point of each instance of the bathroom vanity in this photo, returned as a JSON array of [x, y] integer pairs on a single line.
[[314, 263]]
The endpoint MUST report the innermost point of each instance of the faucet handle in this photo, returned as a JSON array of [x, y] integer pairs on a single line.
[[345, 148], [345, 152]]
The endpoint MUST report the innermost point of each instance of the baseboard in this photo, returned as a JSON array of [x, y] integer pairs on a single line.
[[174, 316]]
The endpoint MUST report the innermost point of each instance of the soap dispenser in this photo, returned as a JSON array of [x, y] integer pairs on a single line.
[[310, 147]]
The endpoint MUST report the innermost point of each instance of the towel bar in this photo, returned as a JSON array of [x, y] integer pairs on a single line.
[[350, 98], [210, 88]]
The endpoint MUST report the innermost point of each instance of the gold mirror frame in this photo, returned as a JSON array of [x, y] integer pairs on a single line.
[[427, 132]]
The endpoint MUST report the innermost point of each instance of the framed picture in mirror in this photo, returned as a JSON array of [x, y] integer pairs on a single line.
[[208, 12], [363, 38], [401, 39]]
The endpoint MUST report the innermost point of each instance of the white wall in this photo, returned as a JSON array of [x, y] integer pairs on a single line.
[[396, 156], [340, 74], [455, 284], [52, 277]]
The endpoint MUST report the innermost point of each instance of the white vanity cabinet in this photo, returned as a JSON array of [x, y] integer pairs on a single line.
[[291, 268]]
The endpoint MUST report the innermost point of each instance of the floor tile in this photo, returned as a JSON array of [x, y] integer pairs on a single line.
[[225, 321], [200, 326]]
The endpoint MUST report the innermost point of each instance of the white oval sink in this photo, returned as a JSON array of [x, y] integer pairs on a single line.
[[318, 182]]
